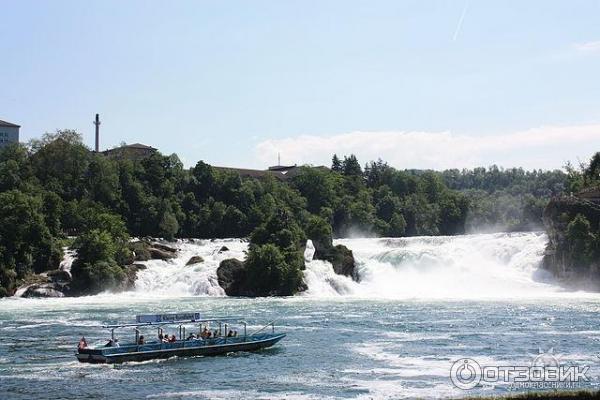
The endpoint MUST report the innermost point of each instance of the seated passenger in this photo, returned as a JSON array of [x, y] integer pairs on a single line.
[[191, 337], [172, 339], [208, 335], [204, 333], [141, 340], [116, 343], [82, 343], [230, 334]]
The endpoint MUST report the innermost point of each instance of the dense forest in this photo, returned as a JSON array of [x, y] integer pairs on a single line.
[[506, 199], [55, 188]]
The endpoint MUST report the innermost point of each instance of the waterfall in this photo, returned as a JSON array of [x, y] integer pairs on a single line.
[[502, 265], [174, 277]]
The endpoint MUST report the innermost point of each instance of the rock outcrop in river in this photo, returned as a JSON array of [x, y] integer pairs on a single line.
[[572, 224], [340, 257], [233, 277], [231, 274]]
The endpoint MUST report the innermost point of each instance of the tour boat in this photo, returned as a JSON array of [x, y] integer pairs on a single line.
[[198, 343]]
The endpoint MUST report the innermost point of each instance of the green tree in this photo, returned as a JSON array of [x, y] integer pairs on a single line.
[[168, 226], [336, 164], [60, 162], [270, 271], [397, 225], [351, 166], [25, 240], [580, 239], [95, 269]]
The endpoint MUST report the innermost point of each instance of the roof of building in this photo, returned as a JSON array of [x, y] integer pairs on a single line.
[[9, 124], [139, 146], [282, 167], [131, 146], [253, 173]]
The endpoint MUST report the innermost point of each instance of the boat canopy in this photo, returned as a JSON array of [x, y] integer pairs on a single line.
[[186, 316], [163, 319]]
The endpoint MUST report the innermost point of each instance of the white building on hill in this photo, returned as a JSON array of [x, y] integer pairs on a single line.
[[9, 133]]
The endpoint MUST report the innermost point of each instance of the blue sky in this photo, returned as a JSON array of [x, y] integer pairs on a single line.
[[424, 84]]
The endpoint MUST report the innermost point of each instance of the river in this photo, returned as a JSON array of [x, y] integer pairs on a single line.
[[421, 304]]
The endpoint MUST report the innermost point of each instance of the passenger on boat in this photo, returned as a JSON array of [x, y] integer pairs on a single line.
[[116, 343], [165, 339], [141, 340], [204, 333], [109, 343], [230, 334], [191, 337], [172, 339], [208, 335], [82, 343]]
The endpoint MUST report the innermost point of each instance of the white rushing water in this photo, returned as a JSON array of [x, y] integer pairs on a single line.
[[175, 278], [498, 265]]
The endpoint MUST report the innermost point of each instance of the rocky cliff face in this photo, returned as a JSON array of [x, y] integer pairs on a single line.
[[560, 258], [339, 256]]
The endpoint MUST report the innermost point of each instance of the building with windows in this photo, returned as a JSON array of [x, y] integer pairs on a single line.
[[9, 133]]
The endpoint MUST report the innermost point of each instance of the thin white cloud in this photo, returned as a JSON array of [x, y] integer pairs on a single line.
[[588, 47], [545, 147]]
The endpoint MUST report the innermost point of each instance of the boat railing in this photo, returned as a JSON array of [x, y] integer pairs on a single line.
[[271, 324]]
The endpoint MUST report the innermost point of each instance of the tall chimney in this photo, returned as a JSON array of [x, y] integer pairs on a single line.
[[97, 123]]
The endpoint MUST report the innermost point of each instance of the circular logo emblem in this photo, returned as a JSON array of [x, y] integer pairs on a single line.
[[546, 359], [465, 373]]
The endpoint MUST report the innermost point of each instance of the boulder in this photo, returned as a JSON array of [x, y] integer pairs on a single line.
[[231, 275], [44, 290], [223, 249], [140, 250], [340, 257], [164, 247], [59, 276], [156, 253], [195, 260]]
